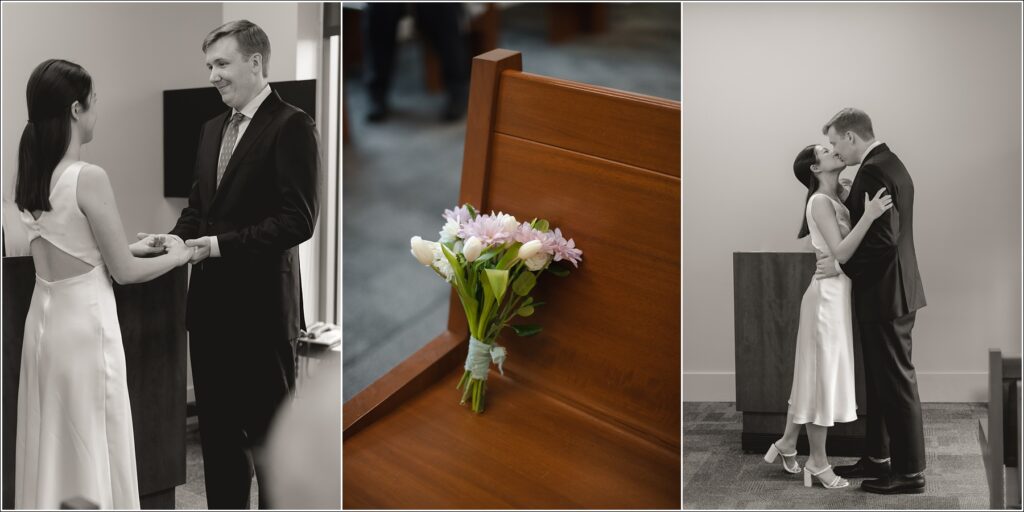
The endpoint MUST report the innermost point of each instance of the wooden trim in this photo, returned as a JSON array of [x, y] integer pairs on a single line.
[[486, 78], [410, 376]]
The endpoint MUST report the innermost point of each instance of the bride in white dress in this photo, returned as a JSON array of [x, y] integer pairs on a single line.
[[823, 391], [75, 436]]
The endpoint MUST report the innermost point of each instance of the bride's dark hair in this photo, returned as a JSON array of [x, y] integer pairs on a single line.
[[802, 169], [53, 87]]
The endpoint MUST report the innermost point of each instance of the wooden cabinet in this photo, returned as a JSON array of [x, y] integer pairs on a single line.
[[767, 289]]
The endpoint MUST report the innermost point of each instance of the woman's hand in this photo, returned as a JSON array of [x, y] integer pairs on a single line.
[[181, 253], [876, 206], [148, 245]]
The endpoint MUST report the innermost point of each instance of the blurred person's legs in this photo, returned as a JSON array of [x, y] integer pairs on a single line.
[[441, 27], [381, 30]]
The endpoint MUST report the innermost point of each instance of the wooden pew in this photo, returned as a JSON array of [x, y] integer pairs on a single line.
[[587, 414], [999, 434]]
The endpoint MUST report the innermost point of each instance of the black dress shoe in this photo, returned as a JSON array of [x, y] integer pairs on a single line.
[[895, 484], [864, 468]]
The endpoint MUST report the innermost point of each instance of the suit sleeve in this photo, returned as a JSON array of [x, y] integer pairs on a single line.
[[188, 223], [297, 170], [883, 236]]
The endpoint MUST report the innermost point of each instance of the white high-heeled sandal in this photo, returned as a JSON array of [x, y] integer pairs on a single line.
[[838, 483], [773, 452]]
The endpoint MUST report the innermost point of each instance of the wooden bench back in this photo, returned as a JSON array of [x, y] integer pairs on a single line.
[[604, 166]]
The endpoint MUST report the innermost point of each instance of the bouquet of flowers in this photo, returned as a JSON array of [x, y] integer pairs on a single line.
[[493, 262]]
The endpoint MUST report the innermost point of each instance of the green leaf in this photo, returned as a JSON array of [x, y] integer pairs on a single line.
[[511, 254], [525, 311], [472, 211], [541, 225], [460, 278], [558, 271], [498, 281], [486, 256], [526, 330], [524, 283]]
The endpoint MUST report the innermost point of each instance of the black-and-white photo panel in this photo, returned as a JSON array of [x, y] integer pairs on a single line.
[[171, 235], [852, 255]]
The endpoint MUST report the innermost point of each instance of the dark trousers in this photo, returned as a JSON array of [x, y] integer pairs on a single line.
[[894, 425], [240, 381], [438, 23]]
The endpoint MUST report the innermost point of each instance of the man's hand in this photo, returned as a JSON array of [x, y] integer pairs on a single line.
[[826, 268], [202, 246], [153, 245]]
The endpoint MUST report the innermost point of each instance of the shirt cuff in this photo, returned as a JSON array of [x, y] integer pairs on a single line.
[[214, 247]]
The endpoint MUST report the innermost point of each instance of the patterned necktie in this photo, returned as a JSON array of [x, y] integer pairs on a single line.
[[228, 145]]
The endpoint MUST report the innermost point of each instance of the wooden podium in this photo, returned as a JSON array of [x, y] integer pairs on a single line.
[[152, 318], [767, 290]]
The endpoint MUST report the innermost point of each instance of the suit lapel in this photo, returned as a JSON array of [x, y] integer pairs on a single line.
[[256, 126]]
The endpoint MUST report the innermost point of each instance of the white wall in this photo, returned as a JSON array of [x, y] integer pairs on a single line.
[[133, 52], [942, 85]]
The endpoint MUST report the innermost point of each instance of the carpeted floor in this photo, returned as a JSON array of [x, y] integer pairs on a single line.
[[717, 474], [399, 176]]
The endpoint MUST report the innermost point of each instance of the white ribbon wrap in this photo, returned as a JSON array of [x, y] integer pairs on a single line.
[[480, 356]]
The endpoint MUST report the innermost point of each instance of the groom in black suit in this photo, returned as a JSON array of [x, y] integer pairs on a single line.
[[253, 202], [887, 292]]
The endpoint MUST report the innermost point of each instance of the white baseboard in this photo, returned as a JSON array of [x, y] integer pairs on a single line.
[[933, 386]]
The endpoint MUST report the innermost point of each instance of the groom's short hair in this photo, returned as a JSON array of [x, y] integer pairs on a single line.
[[851, 120], [250, 37]]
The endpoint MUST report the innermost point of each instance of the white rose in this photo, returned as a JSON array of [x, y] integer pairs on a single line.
[[449, 232], [537, 261], [529, 249], [472, 249], [422, 250]]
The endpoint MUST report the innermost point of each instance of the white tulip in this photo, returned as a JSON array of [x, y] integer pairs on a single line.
[[422, 250], [537, 261], [472, 249], [529, 249]]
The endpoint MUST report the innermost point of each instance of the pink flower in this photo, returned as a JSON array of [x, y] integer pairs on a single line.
[[566, 249], [458, 214], [493, 229], [552, 243]]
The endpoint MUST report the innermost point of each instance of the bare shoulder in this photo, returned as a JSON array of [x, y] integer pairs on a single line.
[[93, 179], [92, 173], [822, 205]]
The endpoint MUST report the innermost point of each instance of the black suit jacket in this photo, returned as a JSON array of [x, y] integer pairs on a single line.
[[886, 281], [265, 206]]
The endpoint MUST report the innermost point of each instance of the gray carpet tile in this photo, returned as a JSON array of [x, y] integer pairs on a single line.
[[399, 176], [717, 474]]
